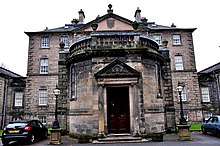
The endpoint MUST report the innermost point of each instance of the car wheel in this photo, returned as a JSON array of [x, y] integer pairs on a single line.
[[45, 136], [204, 131], [5, 143], [218, 133]]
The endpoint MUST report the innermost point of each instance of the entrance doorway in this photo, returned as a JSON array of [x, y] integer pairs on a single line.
[[118, 110]]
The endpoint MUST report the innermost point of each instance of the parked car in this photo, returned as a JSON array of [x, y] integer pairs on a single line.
[[212, 125], [24, 131]]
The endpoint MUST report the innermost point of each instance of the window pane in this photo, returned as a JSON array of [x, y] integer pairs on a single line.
[[65, 40], [205, 94], [178, 62], [176, 40], [157, 38], [42, 96], [43, 119], [18, 99], [44, 66], [45, 42]]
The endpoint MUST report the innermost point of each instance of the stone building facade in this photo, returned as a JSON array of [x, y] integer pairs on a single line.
[[12, 89], [115, 75], [209, 87]]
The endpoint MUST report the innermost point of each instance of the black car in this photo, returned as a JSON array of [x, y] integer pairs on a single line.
[[212, 125], [24, 131]]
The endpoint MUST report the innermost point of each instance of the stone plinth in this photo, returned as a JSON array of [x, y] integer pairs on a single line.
[[157, 136], [184, 132], [55, 136]]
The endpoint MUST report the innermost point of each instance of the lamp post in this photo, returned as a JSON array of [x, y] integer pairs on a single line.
[[56, 92], [182, 119]]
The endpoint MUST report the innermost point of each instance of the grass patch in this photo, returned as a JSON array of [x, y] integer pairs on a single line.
[[195, 127], [1, 133]]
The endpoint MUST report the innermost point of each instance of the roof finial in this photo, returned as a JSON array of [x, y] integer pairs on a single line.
[[110, 8]]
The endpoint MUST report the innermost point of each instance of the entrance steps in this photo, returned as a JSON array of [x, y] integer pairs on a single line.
[[119, 138]]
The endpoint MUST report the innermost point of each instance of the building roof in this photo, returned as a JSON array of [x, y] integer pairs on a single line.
[[5, 72], [213, 68], [145, 25]]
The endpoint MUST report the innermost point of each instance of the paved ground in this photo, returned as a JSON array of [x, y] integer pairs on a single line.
[[169, 140]]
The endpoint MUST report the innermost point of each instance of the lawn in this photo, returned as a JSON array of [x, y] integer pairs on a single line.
[[195, 127]]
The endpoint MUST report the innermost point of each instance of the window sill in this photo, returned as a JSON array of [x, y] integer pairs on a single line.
[[42, 105], [46, 48], [176, 45]]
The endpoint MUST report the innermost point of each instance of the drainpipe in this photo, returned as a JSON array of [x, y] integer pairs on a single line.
[[217, 83], [4, 103]]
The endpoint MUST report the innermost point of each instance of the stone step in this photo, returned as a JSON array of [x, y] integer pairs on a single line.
[[119, 138]]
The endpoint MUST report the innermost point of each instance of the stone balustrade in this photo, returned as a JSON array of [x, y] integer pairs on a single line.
[[105, 41]]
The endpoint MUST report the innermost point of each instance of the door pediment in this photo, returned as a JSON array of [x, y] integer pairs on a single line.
[[115, 69]]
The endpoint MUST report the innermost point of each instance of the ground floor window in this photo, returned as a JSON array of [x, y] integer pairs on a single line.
[[43, 119]]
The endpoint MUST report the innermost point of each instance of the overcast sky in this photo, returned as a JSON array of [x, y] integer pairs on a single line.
[[18, 16]]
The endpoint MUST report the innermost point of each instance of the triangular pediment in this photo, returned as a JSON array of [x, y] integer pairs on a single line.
[[117, 68], [110, 22]]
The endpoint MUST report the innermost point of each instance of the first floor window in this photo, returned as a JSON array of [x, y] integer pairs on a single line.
[[43, 119], [42, 97], [178, 60], [18, 99], [205, 94], [44, 66]]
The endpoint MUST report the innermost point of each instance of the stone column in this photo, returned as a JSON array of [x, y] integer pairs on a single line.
[[101, 111], [136, 109]]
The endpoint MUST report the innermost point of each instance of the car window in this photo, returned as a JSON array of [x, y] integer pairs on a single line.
[[39, 124], [13, 125], [33, 123], [210, 120], [215, 120]]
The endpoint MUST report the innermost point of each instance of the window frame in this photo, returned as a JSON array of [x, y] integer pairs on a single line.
[[44, 67], [176, 39], [43, 119], [42, 96], [159, 41], [178, 62], [45, 42], [65, 40], [205, 96], [17, 98]]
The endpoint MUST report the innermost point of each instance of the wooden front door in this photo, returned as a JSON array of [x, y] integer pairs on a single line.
[[118, 110]]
